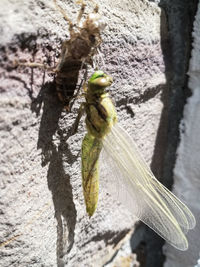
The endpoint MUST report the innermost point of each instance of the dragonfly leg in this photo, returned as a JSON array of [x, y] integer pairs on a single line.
[[34, 65], [83, 5], [78, 118], [81, 85], [64, 16], [72, 100], [96, 8]]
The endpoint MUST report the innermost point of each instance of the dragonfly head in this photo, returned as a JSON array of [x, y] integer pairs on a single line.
[[98, 82]]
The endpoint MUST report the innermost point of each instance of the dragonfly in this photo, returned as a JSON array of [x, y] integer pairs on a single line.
[[130, 178]]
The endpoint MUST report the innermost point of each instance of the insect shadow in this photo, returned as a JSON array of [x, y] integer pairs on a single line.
[[48, 103], [57, 179]]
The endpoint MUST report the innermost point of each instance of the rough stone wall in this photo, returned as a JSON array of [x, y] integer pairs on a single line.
[[43, 219], [187, 168], [179, 19]]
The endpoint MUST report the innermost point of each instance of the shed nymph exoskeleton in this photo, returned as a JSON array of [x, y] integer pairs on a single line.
[[77, 52]]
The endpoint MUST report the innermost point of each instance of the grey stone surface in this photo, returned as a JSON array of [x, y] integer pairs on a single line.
[[187, 168], [43, 219], [179, 18]]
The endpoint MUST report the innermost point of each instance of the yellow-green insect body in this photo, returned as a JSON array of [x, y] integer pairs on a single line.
[[101, 116], [129, 177], [91, 148]]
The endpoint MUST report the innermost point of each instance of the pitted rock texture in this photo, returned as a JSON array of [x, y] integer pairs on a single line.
[[43, 218]]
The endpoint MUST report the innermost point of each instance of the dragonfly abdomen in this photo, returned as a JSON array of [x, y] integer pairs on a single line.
[[101, 116], [91, 148]]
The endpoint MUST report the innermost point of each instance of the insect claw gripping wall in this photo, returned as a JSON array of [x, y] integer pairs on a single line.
[[77, 52]]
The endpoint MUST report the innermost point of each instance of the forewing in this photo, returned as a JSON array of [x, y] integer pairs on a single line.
[[132, 182]]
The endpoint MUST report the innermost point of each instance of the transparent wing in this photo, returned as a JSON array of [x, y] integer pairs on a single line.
[[141, 192]]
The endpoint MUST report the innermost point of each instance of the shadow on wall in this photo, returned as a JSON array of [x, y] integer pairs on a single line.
[[177, 18], [52, 154], [58, 180]]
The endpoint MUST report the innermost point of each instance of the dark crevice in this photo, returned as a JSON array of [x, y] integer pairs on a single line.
[[176, 46]]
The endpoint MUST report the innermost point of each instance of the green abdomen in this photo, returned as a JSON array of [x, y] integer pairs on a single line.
[[101, 116], [91, 148]]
